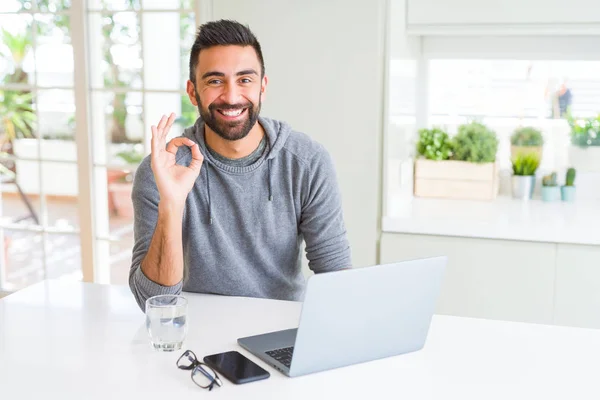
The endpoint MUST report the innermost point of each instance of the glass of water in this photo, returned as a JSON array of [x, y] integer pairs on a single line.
[[166, 321]]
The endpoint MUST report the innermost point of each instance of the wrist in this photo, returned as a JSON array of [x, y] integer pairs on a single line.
[[170, 208]]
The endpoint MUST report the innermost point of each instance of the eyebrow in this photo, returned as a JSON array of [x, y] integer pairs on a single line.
[[240, 73]]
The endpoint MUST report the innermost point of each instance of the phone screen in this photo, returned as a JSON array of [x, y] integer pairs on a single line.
[[236, 367]]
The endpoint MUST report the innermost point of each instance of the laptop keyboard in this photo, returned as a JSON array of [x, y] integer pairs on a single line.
[[284, 355]]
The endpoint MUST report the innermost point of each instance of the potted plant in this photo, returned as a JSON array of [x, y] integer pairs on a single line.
[[567, 191], [462, 167], [526, 139], [524, 166], [550, 189]]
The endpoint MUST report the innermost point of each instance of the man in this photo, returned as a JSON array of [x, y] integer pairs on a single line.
[[224, 208]]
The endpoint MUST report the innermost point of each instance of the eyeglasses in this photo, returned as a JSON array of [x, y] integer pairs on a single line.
[[202, 375]]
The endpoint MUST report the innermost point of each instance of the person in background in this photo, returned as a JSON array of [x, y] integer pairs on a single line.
[[561, 99]]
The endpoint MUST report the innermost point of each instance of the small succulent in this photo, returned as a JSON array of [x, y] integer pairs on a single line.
[[549, 180], [570, 179], [525, 163]]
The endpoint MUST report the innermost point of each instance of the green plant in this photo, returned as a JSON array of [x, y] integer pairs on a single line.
[[189, 113], [18, 46], [584, 131], [549, 180], [17, 117], [132, 156], [527, 136], [434, 144], [525, 164], [476, 143], [570, 178]]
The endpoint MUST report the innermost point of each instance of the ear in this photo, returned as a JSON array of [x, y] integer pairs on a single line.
[[263, 86], [191, 92]]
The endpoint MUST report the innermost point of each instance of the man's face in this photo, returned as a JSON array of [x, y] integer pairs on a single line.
[[228, 90]]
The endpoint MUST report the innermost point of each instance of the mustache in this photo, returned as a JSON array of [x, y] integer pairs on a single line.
[[225, 106]]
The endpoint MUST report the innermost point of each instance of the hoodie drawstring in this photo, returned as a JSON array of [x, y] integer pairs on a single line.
[[208, 193], [270, 179]]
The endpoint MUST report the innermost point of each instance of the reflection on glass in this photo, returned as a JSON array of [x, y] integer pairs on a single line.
[[54, 52], [16, 49], [115, 50]]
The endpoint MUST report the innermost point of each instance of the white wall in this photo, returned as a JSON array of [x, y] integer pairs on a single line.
[[325, 64]]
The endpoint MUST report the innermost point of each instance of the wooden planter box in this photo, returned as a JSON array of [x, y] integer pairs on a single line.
[[456, 180]]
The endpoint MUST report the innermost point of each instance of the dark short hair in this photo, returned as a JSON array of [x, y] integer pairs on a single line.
[[223, 33]]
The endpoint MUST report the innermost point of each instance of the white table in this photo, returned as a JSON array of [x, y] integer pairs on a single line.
[[83, 341]]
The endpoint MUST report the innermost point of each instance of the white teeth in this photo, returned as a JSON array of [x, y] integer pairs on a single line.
[[232, 113]]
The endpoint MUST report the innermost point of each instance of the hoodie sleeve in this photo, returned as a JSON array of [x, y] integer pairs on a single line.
[[145, 199], [322, 221]]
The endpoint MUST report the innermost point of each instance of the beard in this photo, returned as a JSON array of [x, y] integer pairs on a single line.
[[230, 130]]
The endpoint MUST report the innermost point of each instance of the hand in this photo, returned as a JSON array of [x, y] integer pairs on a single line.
[[174, 181]]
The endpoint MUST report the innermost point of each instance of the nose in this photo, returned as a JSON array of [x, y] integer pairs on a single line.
[[231, 94]]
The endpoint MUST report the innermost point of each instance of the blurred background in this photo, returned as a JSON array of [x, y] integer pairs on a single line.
[[431, 110]]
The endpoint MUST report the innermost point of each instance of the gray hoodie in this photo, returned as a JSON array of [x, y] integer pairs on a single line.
[[243, 226]]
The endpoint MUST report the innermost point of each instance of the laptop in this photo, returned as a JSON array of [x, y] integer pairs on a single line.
[[356, 315]]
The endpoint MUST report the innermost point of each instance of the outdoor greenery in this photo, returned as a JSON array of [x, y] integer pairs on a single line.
[[525, 164], [476, 143], [132, 156], [527, 136], [16, 106], [585, 131]]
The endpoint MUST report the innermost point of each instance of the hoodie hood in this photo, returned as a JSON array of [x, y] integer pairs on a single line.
[[277, 133]]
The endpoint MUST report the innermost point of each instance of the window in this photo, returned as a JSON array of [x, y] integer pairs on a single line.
[[39, 227], [506, 94], [135, 72]]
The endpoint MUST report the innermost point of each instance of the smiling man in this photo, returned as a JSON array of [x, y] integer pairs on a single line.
[[225, 207]]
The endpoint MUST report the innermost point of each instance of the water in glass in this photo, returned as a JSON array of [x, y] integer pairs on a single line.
[[166, 321]]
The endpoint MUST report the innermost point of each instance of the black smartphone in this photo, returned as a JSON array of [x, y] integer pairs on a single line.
[[236, 367]]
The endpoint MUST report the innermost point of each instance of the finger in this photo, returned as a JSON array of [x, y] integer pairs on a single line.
[[174, 144], [154, 140], [169, 124], [197, 157], [162, 123]]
